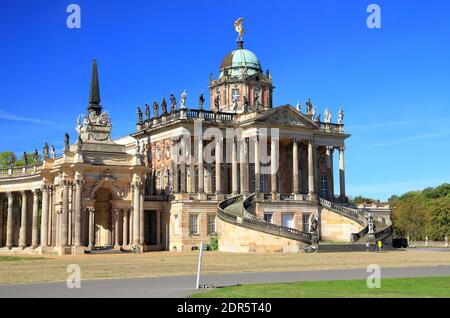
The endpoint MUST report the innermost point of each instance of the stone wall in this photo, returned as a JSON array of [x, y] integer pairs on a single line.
[[236, 239], [337, 228]]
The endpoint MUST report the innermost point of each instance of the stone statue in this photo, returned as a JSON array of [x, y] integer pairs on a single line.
[[79, 125], [164, 106], [201, 101], [173, 102], [155, 109], [317, 119], [147, 111], [370, 223], [340, 117], [314, 224], [246, 104], [309, 107], [299, 107], [139, 113], [217, 99], [210, 77], [256, 101], [36, 156], [235, 103], [312, 111], [327, 115], [79, 143], [45, 150], [238, 26], [183, 100], [53, 152], [25, 158], [66, 142], [11, 161], [268, 75]]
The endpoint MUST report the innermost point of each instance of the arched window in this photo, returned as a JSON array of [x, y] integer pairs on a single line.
[[323, 185]]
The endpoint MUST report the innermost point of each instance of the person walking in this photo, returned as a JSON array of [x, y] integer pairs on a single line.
[[380, 246]]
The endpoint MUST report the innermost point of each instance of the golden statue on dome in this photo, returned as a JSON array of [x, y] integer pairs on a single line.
[[239, 28]]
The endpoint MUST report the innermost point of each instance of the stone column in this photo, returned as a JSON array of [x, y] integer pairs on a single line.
[[1, 221], [257, 166], [158, 228], [141, 215], [125, 228], [234, 168], [78, 215], [44, 216], [23, 221], [91, 228], [136, 210], [58, 228], [295, 185], [342, 173], [70, 216], [183, 165], [34, 231], [311, 186], [10, 221], [329, 172], [244, 166], [64, 215], [116, 228], [219, 160], [201, 177], [274, 162]]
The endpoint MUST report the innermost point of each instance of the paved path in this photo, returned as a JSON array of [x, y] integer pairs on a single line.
[[182, 286]]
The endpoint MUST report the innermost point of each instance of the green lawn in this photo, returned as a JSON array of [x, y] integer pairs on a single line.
[[19, 258], [390, 288]]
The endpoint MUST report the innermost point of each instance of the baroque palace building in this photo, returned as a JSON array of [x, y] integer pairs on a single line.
[[261, 177]]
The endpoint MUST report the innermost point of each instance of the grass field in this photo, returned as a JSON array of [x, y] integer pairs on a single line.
[[36, 269], [436, 287]]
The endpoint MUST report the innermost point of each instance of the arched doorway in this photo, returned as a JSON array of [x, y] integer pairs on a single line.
[[103, 218]]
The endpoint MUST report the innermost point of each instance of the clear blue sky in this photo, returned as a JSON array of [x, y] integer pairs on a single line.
[[393, 83]]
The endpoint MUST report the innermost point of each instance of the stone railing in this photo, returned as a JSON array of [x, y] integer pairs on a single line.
[[20, 171], [157, 198], [178, 114], [353, 214], [335, 128], [250, 221]]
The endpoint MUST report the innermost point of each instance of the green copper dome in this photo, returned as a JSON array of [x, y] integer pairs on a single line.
[[239, 60]]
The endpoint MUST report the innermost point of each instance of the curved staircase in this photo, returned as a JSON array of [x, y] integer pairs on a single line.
[[235, 210], [383, 226]]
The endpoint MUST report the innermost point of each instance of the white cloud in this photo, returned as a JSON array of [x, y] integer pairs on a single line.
[[8, 116]]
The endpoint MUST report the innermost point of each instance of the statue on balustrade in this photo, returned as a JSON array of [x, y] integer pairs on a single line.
[[139, 113], [327, 115], [11, 161], [155, 109], [164, 106], [340, 116], [147, 111], [25, 158], [309, 107], [36, 156], [53, 152], [66, 143], [201, 101], [45, 150], [173, 102], [183, 100], [79, 143]]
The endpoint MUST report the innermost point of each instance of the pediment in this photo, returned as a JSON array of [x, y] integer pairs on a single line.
[[286, 116]]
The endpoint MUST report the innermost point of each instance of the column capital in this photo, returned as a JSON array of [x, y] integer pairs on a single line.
[[35, 191], [91, 210], [23, 193], [10, 195], [342, 148], [295, 141]]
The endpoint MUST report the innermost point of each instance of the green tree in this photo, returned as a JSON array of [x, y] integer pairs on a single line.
[[409, 217], [5, 158], [439, 218]]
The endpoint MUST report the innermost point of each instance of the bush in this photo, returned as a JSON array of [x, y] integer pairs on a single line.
[[214, 243]]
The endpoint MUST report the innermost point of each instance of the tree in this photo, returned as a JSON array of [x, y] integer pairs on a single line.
[[439, 218], [5, 158], [409, 218]]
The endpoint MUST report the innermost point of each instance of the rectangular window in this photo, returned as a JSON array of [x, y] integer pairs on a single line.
[[193, 224], [211, 224], [268, 217], [287, 220], [305, 221]]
